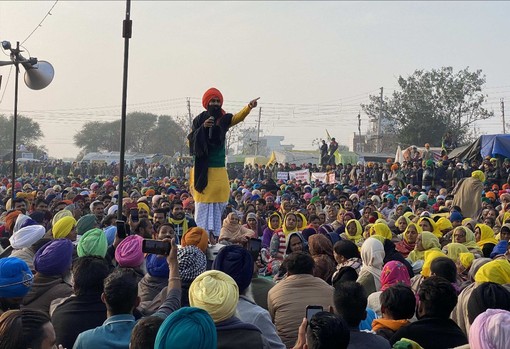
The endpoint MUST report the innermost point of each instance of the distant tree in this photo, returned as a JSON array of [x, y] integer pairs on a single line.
[[430, 103], [28, 131], [145, 133]]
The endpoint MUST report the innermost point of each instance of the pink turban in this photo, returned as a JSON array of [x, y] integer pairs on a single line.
[[491, 329], [129, 252]]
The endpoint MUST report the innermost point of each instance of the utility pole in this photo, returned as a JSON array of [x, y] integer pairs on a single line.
[[359, 131], [258, 133], [503, 114], [379, 134], [189, 113]]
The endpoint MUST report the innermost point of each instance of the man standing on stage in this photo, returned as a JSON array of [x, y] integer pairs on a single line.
[[324, 153], [333, 146], [209, 183]]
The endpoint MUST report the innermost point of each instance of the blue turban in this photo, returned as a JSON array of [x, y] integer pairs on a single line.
[[186, 328], [157, 266], [402, 199], [15, 278], [237, 262], [54, 258], [455, 216], [110, 233], [500, 248]]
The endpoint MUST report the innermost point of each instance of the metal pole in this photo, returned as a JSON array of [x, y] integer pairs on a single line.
[[379, 134], [359, 132], [15, 122], [189, 114], [126, 34], [503, 114], [258, 133]]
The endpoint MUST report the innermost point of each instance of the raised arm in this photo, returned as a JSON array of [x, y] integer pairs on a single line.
[[241, 115]]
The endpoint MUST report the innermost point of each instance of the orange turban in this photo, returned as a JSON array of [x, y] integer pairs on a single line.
[[150, 192], [197, 237], [491, 195], [210, 94], [10, 219], [394, 167]]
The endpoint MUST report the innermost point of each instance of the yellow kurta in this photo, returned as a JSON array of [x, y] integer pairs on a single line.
[[217, 189]]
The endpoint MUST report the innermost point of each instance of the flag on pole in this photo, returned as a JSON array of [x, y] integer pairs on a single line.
[[272, 159], [336, 154]]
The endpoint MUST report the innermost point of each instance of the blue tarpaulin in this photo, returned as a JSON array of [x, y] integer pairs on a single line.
[[492, 145], [487, 145]]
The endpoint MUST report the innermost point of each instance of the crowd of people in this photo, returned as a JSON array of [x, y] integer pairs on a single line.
[[391, 264], [412, 255]]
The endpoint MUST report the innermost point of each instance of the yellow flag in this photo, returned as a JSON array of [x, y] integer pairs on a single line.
[[272, 159]]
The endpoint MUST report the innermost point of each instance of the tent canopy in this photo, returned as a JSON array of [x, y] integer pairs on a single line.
[[487, 145]]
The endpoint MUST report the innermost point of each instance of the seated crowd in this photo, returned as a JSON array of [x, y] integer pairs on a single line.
[[386, 265]]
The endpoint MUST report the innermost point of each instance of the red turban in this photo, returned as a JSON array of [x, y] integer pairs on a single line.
[[210, 94]]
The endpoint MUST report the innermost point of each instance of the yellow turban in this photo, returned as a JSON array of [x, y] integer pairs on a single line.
[[466, 259], [63, 227], [215, 292], [497, 271], [143, 206], [61, 214], [429, 257], [478, 175]]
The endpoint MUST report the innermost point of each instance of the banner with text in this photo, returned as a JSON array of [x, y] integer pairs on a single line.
[[321, 176], [282, 175], [301, 175]]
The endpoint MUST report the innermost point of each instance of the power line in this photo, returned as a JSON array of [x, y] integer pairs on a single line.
[[6, 83], [40, 23]]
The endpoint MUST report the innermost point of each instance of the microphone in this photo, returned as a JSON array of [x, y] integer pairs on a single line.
[[211, 128]]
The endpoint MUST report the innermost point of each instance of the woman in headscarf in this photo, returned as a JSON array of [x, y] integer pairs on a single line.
[[484, 236], [454, 249], [301, 221], [401, 224], [444, 225], [409, 238], [314, 223], [426, 241], [232, 232], [393, 273], [338, 223], [381, 229], [465, 236], [274, 223], [464, 264], [279, 243], [348, 258], [295, 243], [372, 256], [321, 250], [428, 224], [353, 232], [365, 217]]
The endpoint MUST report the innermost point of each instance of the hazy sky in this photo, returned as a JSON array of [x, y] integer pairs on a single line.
[[312, 63]]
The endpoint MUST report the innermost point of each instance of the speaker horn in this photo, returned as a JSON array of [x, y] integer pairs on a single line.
[[39, 76]]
